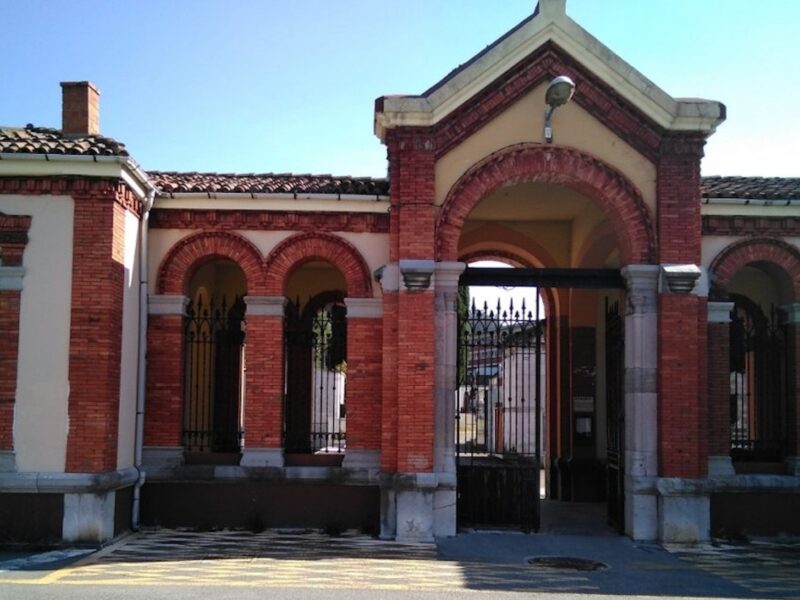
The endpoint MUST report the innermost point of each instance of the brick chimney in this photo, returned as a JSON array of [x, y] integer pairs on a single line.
[[80, 108]]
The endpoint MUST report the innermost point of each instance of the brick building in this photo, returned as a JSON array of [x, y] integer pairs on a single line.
[[277, 350]]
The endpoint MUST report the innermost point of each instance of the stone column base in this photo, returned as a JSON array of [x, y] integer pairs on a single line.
[[641, 516], [262, 457], [416, 507], [89, 517], [684, 507]]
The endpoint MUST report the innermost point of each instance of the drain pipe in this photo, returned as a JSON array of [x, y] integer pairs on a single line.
[[141, 374]]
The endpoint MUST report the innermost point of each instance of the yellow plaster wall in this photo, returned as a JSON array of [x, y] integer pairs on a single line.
[[524, 122]]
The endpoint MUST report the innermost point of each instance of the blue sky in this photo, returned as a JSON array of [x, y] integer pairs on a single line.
[[289, 85]]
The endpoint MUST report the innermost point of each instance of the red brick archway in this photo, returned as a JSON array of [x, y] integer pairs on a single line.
[[613, 193], [740, 254], [191, 252], [306, 247]]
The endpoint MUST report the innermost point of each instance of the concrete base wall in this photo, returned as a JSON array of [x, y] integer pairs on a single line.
[[257, 505], [742, 515]]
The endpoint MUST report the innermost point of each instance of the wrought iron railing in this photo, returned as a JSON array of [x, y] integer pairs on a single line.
[[213, 368], [499, 386], [759, 383], [316, 373]]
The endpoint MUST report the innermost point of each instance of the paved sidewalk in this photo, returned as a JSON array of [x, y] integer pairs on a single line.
[[468, 562]]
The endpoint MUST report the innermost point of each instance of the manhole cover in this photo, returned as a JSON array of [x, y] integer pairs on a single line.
[[567, 563]]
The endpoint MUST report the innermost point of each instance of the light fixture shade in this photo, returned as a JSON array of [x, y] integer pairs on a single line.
[[560, 91]]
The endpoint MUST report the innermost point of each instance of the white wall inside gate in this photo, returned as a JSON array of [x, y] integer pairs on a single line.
[[40, 413]]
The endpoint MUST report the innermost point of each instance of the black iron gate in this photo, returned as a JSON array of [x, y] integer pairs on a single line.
[[759, 375], [214, 353], [316, 369], [615, 415], [498, 415]]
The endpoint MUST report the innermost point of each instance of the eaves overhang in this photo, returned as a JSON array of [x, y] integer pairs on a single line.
[[54, 165]]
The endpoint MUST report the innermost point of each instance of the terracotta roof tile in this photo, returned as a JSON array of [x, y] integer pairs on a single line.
[[266, 183], [756, 188], [41, 140]]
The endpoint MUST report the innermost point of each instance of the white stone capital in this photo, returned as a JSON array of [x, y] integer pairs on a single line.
[[167, 304], [364, 308], [719, 312], [641, 283], [447, 275], [680, 279], [265, 306], [417, 274]]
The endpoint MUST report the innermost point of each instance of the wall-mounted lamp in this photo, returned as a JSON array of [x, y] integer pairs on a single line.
[[559, 92]]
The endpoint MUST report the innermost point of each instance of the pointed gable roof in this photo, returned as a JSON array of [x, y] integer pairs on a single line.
[[549, 26]]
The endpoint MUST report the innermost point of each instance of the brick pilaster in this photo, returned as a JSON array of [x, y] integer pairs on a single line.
[[389, 382], [9, 349], [719, 387], [264, 381], [364, 366], [163, 425], [415, 393], [98, 276], [678, 198], [412, 175], [681, 408], [682, 403]]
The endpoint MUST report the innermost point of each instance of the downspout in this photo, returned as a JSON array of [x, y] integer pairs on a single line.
[[141, 374]]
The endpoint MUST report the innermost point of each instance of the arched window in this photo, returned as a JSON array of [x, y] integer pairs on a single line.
[[214, 359], [759, 382], [316, 363]]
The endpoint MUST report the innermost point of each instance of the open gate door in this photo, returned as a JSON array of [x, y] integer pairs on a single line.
[[498, 415], [499, 408]]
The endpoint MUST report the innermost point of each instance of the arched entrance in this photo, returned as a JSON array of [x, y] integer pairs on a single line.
[[577, 222]]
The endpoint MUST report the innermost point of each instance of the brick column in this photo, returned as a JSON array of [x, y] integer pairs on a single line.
[[264, 384], [641, 428], [163, 424], [10, 291], [363, 395], [407, 506], [415, 365], [389, 379], [719, 388], [793, 416], [98, 275]]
